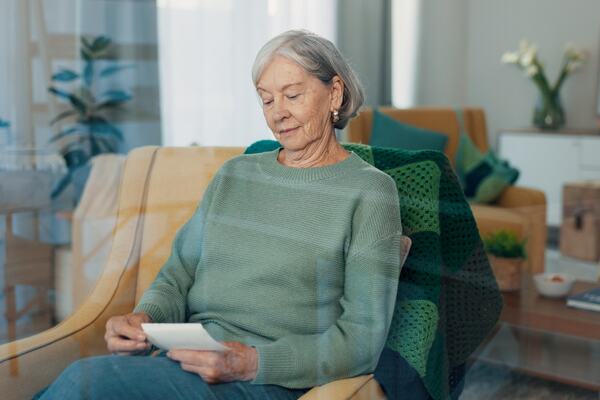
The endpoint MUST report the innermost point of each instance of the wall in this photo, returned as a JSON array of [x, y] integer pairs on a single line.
[[462, 42], [442, 59], [507, 95]]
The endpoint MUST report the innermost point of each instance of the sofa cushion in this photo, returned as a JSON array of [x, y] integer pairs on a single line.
[[483, 176], [388, 132]]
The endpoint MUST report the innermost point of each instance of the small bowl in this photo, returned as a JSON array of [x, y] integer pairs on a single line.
[[553, 284]]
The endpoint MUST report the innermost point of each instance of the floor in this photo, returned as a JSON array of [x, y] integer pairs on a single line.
[[485, 382]]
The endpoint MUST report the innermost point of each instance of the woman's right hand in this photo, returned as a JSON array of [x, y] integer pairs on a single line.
[[124, 334]]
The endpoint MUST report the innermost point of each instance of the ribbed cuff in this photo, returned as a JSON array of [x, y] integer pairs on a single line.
[[275, 365], [153, 311]]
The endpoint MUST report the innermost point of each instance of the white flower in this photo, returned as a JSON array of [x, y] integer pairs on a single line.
[[528, 57], [574, 54], [510, 58], [532, 70], [524, 46], [573, 66]]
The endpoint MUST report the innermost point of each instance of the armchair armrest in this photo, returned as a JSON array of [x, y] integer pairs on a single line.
[[363, 387], [519, 196], [28, 365]]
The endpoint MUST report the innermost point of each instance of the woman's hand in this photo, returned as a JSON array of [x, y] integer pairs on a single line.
[[239, 363], [124, 334]]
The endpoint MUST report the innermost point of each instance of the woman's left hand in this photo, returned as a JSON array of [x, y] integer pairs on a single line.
[[239, 363]]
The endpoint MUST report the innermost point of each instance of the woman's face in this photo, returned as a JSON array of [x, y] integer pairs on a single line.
[[297, 106]]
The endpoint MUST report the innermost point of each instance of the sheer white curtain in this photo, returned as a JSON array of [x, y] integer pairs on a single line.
[[206, 50]]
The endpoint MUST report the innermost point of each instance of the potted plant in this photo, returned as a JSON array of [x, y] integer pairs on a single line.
[[506, 253], [90, 132]]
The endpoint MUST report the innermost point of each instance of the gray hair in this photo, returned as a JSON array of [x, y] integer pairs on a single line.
[[319, 57]]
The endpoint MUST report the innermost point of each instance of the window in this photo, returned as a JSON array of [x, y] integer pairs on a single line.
[[207, 48]]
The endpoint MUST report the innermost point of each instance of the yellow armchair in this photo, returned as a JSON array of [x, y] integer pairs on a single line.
[[159, 191]]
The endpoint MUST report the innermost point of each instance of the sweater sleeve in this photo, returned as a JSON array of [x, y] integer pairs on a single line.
[[353, 344], [165, 299]]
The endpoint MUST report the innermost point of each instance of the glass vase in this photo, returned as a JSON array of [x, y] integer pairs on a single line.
[[548, 112]]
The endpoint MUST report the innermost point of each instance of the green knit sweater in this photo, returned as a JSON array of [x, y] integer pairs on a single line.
[[302, 263]]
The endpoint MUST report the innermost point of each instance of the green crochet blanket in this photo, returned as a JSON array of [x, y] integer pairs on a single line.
[[448, 299]]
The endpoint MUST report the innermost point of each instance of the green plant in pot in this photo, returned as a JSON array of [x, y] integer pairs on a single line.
[[89, 131], [507, 255]]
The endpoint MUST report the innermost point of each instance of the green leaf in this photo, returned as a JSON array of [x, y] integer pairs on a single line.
[[65, 75], [63, 115], [67, 132], [88, 73], [107, 129], [114, 69], [94, 148], [117, 95], [75, 158], [505, 243], [100, 44], [78, 103], [113, 98], [86, 44], [59, 93], [85, 54], [74, 100], [61, 185], [109, 145]]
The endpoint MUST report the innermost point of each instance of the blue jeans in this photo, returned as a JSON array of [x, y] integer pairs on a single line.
[[139, 377]]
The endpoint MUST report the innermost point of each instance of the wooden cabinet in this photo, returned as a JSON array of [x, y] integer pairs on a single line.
[[548, 160]]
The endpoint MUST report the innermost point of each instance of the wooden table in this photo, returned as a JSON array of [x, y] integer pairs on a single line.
[[543, 337]]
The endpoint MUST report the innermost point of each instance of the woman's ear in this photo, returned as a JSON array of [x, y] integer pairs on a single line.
[[337, 93]]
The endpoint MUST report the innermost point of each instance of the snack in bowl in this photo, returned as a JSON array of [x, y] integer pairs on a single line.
[[551, 284]]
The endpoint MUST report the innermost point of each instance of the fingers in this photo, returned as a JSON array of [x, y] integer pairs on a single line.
[[116, 344], [123, 337], [196, 357], [121, 326], [238, 363], [208, 364], [137, 319]]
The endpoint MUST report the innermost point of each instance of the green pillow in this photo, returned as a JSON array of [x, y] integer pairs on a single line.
[[482, 176], [388, 132]]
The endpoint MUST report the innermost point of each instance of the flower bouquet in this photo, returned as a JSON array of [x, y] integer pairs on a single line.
[[548, 113]]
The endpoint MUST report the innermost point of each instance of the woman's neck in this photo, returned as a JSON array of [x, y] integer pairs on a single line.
[[316, 154]]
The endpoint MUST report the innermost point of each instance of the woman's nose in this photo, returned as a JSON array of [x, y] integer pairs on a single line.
[[280, 111]]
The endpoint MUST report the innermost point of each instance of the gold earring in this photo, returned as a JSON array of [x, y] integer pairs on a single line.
[[336, 116]]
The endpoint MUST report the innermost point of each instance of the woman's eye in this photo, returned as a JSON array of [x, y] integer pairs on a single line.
[[291, 97], [267, 102]]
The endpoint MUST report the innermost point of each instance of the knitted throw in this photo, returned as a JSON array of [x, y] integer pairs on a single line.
[[448, 299]]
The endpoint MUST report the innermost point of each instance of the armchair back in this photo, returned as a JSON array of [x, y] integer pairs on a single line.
[[438, 119]]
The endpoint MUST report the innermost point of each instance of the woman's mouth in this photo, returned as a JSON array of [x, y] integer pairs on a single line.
[[286, 131]]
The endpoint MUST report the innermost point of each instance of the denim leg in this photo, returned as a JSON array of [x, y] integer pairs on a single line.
[[138, 377]]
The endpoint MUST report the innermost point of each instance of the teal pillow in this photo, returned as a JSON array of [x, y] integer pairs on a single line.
[[388, 132], [482, 176]]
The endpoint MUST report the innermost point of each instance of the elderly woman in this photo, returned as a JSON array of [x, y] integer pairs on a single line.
[[292, 258]]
